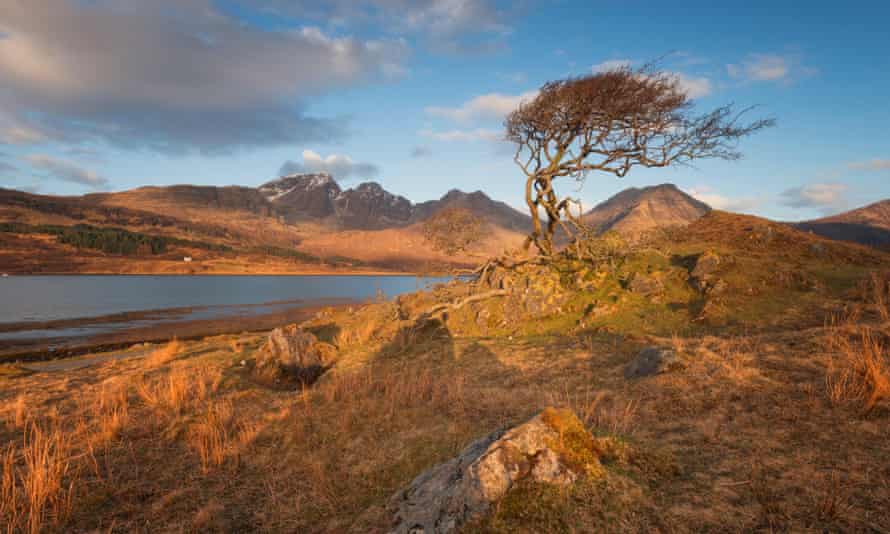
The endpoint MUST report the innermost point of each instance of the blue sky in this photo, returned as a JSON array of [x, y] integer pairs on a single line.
[[109, 95]]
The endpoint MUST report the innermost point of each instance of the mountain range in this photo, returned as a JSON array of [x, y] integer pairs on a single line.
[[869, 225], [309, 223]]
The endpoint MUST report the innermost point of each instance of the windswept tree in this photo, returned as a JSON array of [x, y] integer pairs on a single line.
[[611, 122]]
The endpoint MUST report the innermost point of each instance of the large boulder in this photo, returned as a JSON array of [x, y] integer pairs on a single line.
[[292, 356], [652, 361], [704, 275], [553, 447]]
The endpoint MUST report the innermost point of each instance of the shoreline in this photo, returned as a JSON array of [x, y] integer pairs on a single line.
[[223, 273], [25, 350]]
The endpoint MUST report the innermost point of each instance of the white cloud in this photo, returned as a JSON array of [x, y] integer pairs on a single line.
[[339, 166], [769, 68], [611, 64], [479, 134], [826, 196], [492, 106], [450, 25], [66, 171], [717, 201], [694, 87], [870, 165], [20, 134], [173, 75]]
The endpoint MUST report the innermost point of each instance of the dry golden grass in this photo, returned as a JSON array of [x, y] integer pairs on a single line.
[[181, 388], [860, 370], [164, 355], [38, 481], [19, 411], [195, 445], [211, 437], [880, 293], [599, 410]]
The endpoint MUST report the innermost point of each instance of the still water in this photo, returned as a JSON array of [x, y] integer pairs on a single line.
[[25, 299]]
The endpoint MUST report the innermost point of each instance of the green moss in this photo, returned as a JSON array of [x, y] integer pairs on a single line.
[[529, 507], [575, 445]]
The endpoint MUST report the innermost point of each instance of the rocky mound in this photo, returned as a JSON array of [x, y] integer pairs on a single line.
[[551, 448], [292, 357]]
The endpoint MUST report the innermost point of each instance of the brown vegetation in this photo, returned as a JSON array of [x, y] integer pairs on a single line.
[[453, 230]]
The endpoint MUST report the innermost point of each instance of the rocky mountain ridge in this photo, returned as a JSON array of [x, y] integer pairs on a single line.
[[369, 206]]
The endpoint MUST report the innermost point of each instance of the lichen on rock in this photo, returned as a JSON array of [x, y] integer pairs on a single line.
[[551, 448]]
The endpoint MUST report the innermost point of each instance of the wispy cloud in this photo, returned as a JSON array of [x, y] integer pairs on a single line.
[[66, 171], [825, 197], [769, 68], [456, 26], [479, 134], [339, 166], [611, 64], [491, 106], [709, 196], [870, 165]]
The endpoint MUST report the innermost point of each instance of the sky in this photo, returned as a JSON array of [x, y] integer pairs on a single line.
[[108, 95]]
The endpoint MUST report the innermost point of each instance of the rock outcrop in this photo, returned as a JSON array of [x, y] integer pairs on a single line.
[[293, 356], [703, 276], [652, 361], [552, 448]]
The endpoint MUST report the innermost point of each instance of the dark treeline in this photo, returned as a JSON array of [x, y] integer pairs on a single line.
[[110, 240]]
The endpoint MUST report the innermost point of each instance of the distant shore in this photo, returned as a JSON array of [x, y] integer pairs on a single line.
[[239, 273]]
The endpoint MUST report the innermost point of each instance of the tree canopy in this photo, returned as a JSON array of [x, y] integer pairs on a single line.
[[611, 122]]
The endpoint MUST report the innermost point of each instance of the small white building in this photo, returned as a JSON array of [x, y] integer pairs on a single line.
[[187, 259]]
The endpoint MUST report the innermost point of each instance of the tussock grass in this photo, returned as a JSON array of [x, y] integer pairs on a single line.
[[38, 481], [164, 355], [181, 388], [211, 435], [110, 410], [860, 369], [19, 412]]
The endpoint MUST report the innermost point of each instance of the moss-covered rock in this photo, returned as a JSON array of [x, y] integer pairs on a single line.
[[551, 448]]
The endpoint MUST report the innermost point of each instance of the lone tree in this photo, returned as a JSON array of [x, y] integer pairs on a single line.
[[611, 121]]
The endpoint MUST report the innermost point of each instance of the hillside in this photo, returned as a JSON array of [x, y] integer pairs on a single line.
[[634, 210], [299, 223], [869, 225], [497, 213]]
